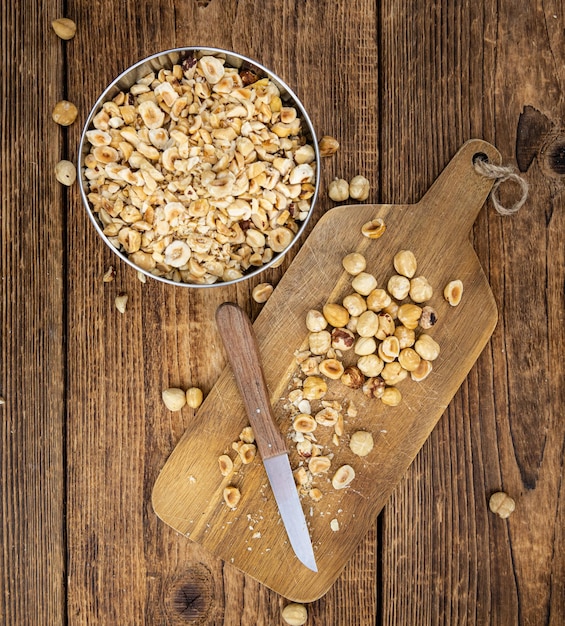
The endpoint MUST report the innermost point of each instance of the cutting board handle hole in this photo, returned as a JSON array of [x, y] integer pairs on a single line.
[[480, 156]]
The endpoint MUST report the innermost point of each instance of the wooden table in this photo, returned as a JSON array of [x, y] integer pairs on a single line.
[[84, 432]]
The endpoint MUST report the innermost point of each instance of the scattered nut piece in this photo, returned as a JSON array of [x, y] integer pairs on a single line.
[[328, 416], [226, 465], [315, 321], [398, 286], [453, 292], [338, 190], [428, 318], [354, 263], [320, 342], [336, 314], [247, 452], [247, 435], [319, 464], [393, 373], [423, 370], [121, 302], [64, 28], [232, 496], [194, 397], [332, 368], [304, 423], [405, 263], [353, 377], [409, 314], [409, 359], [65, 172], [501, 504], [262, 292], [343, 477], [2, 400], [328, 146], [334, 525], [301, 476], [371, 365], [304, 448], [420, 289], [315, 494], [174, 398], [64, 113], [361, 443], [427, 347], [109, 275], [364, 283], [355, 304], [141, 277], [378, 300], [374, 387], [339, 426], [359, 188], [342, 339], [391, 396], [314, 388], [374, 229], [295, 614]]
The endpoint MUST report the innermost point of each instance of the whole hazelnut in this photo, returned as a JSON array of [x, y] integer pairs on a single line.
[[295, 614], [174, 398], [420, 289], [336, 314], [374, 387], [315, 321], [328, 146], [338, 190], [359, 188], [502, 504], [342, 339], [428, 317], [353, 377], [354, 263]]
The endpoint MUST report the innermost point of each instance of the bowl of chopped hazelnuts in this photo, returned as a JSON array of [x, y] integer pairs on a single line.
[[199, 167]]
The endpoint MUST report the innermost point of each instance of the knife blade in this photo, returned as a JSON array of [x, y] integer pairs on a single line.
[[243, 354]]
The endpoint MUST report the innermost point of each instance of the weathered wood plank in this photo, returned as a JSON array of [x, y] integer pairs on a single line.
[[452, 71], [125, 565], [32, 260]]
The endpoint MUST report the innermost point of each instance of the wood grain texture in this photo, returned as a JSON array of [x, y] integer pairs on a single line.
[[122, 434], [84, 432], [32, 315], [502, 431]]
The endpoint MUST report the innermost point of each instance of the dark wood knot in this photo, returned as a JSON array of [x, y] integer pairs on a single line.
[[556, 156], [190, 597]]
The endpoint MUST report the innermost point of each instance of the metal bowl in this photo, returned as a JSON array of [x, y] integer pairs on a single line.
[[166, 60]]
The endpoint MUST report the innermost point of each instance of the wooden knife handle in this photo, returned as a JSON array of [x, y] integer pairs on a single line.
[[242, 349]]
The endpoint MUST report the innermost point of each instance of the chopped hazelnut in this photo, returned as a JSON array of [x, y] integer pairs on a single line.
[[232, 496]]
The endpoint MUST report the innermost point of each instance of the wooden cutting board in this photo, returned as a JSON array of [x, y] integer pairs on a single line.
[[188, 492]]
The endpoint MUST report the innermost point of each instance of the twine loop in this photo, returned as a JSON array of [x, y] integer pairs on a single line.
[[501, 174]]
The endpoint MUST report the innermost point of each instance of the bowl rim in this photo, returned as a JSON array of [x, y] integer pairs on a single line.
[[155, 62]]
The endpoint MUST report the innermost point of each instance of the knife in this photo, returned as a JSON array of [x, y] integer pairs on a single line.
[[242, 349]]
